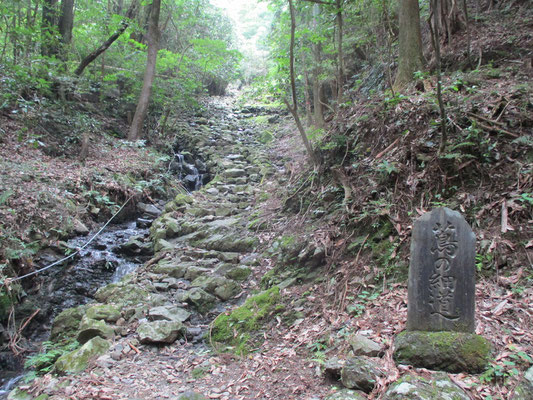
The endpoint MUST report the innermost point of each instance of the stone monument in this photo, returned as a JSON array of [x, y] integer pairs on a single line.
[[441, 297], [442, 273]]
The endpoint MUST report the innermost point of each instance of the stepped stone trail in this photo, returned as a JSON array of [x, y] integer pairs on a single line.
[[156, 320]]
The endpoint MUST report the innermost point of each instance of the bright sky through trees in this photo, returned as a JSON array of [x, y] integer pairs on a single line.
[[251, 20]]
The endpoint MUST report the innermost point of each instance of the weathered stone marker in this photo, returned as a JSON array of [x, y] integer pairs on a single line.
[[442, 273]]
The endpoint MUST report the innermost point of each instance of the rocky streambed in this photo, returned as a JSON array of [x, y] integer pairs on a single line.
[[202, 262]]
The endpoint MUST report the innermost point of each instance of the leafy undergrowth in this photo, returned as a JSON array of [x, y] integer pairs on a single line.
[[42, 196]]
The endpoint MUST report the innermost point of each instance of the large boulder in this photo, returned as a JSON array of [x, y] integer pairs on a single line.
[[360, 373], [222, 287], [77, 360], [444, 351], [122, 294], [439, 387]]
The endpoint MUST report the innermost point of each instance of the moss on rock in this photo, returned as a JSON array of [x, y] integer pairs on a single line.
[[235, 329], [446, 351], [77, 360]]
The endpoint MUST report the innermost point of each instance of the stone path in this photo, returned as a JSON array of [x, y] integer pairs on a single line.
[[156, 320]]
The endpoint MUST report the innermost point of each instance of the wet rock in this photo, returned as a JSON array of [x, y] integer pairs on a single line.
[[168, 313], [360, 373], [143, 223], [18, 394], [77, 360], [90, 328], [106, 312], [160, 331], [445, 351], [135, 246], [346, 394], [363, 346], [417, 388], [149, 209]]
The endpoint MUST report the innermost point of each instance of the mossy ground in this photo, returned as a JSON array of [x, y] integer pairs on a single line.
[[235, 330]]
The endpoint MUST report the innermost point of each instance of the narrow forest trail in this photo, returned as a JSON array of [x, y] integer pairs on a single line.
[[205, 263]]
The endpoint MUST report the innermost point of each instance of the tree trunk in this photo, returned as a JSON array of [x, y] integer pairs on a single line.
[[66, 21], [294, 108], [144, 99], [308, 110], [316, 49], [410, 46], [341, 73], [47, 32], [92, 56]]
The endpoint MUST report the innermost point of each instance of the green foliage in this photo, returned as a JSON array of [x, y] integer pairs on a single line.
[[357, 305], [43, 362]]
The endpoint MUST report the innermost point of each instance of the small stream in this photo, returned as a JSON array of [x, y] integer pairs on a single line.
[[117, 251]]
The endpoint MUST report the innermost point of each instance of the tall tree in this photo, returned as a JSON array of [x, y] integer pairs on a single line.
[[144, 99], [294, 107], [410, 43], [66, 20], [47, 27]]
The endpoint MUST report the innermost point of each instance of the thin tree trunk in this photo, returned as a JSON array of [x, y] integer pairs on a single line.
[[48, 24], [435, 36], [317, 85], [410, 43], [308, 110], [123, 26], [144, 99], [341, 73], [294, 108]]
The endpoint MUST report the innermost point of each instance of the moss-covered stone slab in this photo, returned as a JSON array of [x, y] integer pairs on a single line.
[[90, 328], [192, 396], [106, 312], [122, 294], [160, 331], [66, 324], [360, 373], [77, 360], [200, 300], [444, 351], [440, 387]]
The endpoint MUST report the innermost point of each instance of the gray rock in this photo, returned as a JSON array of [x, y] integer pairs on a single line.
[[106, 312], [191, 396], [200, 299], [168, 313], [363, 346], [149, 209], [524, 390], [440, 387], [441, 293], [346, 394], [446, 351], [160, 331], [90, 328], [333, 368], [77, 360], [234, 172], [79, 227], [360, 373]]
